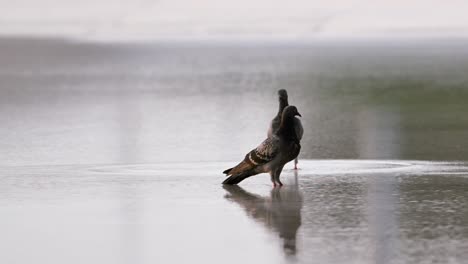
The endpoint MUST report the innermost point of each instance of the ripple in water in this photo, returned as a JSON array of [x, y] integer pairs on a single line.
[[317, 167]]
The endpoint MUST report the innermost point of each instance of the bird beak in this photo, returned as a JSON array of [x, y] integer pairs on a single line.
[[298, 114]]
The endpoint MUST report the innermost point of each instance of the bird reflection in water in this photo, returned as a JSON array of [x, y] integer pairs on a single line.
[[281, 212]]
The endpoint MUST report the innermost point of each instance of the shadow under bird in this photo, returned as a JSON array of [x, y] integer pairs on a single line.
[[272, 154], [276, 122]]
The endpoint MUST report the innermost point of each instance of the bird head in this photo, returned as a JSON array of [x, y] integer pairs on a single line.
[[282, 94], [290, 111]]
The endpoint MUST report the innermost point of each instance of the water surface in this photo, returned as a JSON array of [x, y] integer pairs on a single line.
[[330, 211]]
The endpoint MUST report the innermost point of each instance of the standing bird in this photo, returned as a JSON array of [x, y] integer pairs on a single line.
[[272, 154], [275, 123]]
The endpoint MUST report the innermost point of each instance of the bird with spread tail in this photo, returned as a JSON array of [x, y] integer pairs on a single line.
[[272, 154], [275, 123]]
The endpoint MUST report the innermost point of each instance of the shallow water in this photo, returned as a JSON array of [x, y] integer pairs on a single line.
[[112, 153], [330, 211]]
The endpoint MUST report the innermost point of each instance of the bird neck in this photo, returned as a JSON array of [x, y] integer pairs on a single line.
[[282, 104], [286, 128]]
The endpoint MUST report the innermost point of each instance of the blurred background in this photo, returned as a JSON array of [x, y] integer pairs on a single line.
[[159, 81], [234, 20]]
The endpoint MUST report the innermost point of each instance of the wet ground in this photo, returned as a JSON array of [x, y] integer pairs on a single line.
[[113, 153], [330, 211]]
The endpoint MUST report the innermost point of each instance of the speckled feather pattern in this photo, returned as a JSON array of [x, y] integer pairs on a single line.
[[272, 154], [262, 154], [265, 152]]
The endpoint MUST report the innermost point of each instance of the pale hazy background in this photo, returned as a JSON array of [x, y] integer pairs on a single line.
[[238, 20]]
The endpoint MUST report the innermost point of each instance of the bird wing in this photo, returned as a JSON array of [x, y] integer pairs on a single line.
[[262, 154], [265, 152]]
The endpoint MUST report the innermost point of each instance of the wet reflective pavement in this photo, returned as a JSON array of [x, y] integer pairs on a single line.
[[330, 211]]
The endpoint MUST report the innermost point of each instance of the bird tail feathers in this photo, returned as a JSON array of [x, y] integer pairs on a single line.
[[240, 168], [238, 173], [236, 178]]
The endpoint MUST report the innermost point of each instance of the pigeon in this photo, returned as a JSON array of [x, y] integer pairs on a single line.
[[275, 123], [272, 154], [283, 102]]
